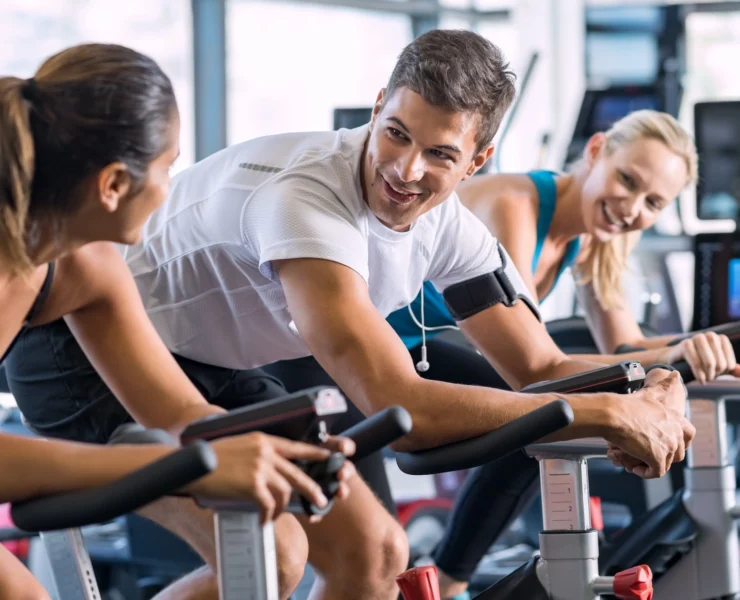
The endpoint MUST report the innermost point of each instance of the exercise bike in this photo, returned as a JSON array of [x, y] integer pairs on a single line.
[[247, 566], [567, 567]]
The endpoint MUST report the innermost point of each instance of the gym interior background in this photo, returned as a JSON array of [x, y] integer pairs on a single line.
[[245, 68]]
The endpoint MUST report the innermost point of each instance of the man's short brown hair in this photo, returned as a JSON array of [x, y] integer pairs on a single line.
[[459, 71]]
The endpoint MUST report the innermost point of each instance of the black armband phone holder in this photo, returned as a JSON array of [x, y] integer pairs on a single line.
[[470, 297]]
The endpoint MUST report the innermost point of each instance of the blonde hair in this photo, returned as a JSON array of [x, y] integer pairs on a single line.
[[602, 264]]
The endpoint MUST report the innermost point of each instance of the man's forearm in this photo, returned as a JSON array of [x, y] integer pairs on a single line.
[[443, 413]]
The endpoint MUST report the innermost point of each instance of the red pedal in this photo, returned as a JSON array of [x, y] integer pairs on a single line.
[[634, 584], [597, 517], [419, 583]]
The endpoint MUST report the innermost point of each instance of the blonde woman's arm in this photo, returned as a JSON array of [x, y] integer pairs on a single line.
[[512, 220], [613, 327], [708, 354]]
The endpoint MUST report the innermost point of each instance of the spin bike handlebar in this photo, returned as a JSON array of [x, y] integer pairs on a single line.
[[527, 429], [731, 330], [86, 507], [306, 416]]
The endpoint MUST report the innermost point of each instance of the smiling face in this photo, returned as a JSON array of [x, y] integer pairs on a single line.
[[625, 190], [416, 154]]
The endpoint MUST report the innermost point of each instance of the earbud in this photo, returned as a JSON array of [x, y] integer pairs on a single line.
[[423, 365]]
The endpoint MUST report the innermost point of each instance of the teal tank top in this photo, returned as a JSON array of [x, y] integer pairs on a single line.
[[435, 310]]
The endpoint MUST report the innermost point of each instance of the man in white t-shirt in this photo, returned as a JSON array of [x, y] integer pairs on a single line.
[[301, 244]]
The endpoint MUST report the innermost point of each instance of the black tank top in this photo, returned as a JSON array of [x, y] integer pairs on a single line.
[[36, 308]]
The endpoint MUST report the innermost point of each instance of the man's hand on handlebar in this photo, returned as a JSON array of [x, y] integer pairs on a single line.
[[667, 387], [259, 467], [709, 355], [652, 431]]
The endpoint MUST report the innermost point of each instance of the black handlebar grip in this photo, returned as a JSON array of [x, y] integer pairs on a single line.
[[681, 366], [731, 330], [86, 507], [378, 431], [483, 449], [627, 349]]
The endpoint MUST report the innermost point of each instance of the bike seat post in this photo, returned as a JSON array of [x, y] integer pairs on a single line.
[[569, 546], [709, 448], [709, 494], [70, 564], [247, 561]]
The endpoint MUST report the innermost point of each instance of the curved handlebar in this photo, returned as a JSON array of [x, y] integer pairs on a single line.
[[375, 432], [682, 367], [623, 377], [370, 435], [731, 330], [86, 507], [496, 444]]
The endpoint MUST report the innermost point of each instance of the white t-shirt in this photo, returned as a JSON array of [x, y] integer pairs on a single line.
[[204, 267]]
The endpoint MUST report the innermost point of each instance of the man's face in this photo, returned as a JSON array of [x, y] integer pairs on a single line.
[[416, 154]]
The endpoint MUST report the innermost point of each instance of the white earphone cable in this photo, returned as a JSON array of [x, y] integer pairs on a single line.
[[423, 364]]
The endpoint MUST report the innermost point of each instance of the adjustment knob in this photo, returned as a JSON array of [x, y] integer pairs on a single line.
[[634, 584], [419, 583]]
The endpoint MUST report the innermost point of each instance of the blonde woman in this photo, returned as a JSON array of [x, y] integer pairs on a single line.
[[589, 219]]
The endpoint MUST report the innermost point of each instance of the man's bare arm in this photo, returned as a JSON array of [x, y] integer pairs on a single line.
[[333, 312]]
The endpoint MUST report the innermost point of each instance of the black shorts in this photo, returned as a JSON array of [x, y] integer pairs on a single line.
[[62, 396]]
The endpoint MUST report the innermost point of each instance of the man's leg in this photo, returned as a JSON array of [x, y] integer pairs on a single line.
[[358, 548], [195, 525], [493, 495]]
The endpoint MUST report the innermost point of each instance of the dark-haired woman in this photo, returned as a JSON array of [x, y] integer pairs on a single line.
[[86, 146]]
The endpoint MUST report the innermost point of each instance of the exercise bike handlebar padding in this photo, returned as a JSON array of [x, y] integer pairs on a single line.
[[379, 430], [731, 330], [491, 446], [96, 505], [625, 376], [586, 447]]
